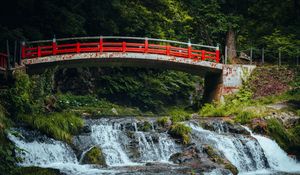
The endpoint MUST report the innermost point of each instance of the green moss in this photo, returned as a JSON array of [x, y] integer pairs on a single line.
[[94, 156], [60, 126], [35, 171], [179, 130]]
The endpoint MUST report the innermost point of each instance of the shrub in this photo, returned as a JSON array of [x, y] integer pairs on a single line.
[[60, 126], [180, 130]]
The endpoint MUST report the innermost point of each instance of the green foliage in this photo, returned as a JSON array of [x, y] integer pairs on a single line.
[[94, 156], [181, 131], [18, 98], [60, 126], [244, 117], [149, 90], [287, 44]]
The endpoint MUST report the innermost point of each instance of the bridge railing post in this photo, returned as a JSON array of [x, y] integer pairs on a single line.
[[202, 55], [54, 46], [146, 45], [78, 47], [168, 49], [101, 44], [123, 46], [218, 53], [189, 49]]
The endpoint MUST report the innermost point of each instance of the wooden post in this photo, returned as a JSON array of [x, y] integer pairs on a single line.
[[15, 54], [279, 57], [226, 54], [54, 46], [251, 55], [263, 56], [8, 56]]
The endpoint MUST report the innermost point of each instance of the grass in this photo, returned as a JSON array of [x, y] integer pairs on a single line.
[[60, 126], [178, 115]]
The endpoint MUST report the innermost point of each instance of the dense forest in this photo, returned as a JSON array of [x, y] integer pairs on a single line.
[[272, 24]]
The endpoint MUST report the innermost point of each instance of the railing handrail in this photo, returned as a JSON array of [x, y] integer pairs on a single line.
[[124, 37]]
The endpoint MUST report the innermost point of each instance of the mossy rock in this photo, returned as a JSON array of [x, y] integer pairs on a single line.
[[35, 171], [181, 131], [94, 156], [164, 121], [144, 126], [213, 156]]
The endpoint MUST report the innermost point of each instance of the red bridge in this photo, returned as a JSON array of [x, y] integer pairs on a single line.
[[198, 59], [34, 52]]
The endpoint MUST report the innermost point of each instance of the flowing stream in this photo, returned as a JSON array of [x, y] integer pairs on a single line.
[[124, 144]]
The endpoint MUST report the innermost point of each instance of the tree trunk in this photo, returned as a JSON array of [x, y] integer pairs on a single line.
[[231, 45]]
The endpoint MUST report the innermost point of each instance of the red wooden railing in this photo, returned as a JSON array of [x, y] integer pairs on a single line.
[[3, 60], [38, 49]]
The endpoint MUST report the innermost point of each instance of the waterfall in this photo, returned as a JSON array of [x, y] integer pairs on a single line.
[[113, 139], [50, 153], [110, 139], [245, 153], [276, 157], [152, 151]]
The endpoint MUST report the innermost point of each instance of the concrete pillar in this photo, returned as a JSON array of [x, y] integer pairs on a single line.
[[212, 87]]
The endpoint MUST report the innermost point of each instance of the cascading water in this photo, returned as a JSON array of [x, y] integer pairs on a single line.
[[277, 158], [243, 152], [45, 152], [112, 137], [124, 142]]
